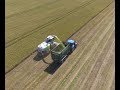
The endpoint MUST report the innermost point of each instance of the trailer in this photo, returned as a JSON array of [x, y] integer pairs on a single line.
[[59, 50], [59, 53]]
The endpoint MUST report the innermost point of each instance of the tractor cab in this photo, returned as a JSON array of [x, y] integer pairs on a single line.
[[72, 43]]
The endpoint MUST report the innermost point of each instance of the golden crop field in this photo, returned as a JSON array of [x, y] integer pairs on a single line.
[[90, 67], [25, 29]]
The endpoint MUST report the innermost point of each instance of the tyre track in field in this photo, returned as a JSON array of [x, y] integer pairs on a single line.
[[103, 84], [74, 56], [89, 80], [28, 61], [67, 80], [92, 23], [34, 66], [15, 40], [39, 82], [80, 84], [24, 59], [110, 73], [104, 71], [84, 74], [39, 78], [23, 70], [78, 62], [68, 66], [46, 66], [112, 85], [99, 65]]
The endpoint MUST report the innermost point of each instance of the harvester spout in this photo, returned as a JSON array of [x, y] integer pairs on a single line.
[[59, 41]]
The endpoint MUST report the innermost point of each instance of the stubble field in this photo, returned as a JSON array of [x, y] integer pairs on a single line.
[[29, 22], [90, 67]]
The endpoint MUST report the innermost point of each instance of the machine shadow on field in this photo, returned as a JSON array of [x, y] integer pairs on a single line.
[[52, 68], [39, 57]]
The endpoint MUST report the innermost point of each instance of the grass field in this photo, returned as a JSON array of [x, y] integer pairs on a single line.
[[90, 67], [29, 22]]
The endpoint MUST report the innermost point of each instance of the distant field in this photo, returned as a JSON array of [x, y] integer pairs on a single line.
[[90, 67], [28, 22]]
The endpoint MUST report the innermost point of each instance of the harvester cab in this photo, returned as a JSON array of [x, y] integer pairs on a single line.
[[49, 43]]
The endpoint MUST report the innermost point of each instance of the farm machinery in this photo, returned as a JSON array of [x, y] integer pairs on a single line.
[[59, 50]]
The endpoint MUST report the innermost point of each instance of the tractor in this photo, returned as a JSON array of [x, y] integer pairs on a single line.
[[59, 50]]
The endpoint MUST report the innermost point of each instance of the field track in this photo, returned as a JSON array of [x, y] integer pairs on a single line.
[[90, 67]]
